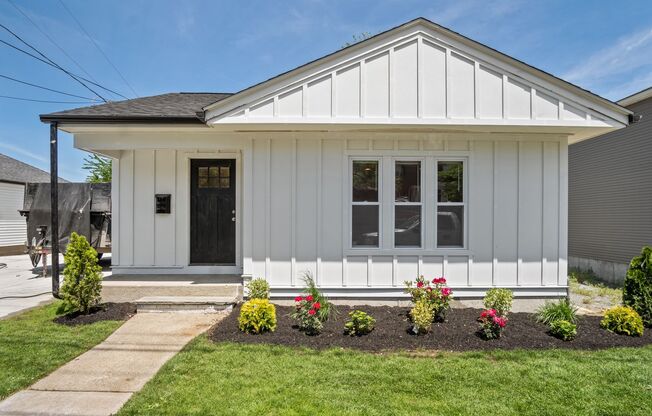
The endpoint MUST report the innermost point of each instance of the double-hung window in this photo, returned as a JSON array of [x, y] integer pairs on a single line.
[[407, 203], [450, 204], [365, 201]]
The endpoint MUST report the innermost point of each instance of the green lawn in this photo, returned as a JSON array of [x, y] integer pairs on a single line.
[[32, 346], [207, 378]]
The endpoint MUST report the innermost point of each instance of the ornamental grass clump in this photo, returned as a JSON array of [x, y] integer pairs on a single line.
[[623, 320], [637, 288], [258, 289], [434, 293], [491, 324], [257, 316], [561, 310], [500, 300], [82, 283], [359, 323], [312, 309]]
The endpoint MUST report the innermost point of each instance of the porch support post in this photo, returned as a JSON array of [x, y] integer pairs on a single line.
[[54, 207]]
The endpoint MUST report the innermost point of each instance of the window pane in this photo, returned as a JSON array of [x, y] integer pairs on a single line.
[[203, 172], [450, 182], [365, 181], [214, 172], [365, 226], [224, 171], [450, 226], [407, 226], [407, 181]]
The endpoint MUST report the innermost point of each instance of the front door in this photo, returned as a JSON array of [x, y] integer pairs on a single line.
[[212, 211]]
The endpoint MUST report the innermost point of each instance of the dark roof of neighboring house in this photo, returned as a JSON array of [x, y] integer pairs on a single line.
[[176, 107], [12, 170]]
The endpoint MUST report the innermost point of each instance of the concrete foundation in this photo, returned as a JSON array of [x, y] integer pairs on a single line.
[[609, 272]]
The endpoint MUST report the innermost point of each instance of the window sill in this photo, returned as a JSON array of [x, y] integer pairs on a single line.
[[363, 251]]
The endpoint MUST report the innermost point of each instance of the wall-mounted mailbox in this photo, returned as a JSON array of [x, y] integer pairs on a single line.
[[163, 203]]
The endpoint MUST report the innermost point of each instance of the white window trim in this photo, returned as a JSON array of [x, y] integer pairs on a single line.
[[379, 203], [421, 203]]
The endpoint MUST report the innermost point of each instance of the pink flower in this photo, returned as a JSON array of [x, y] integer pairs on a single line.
[[312, 312], [428, 289], [298, 299], [492, 312], [316, 305], [439, 280], [445, 292], [501, 322], [309, 298], [419, 285]]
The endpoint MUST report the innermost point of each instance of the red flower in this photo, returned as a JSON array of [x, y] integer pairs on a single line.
[[439, 280], [484, 314], [312, 312], [298, 299], [316, 305], [309, 298], [446, 292], [419, 285], [501, 322], [428, 289]]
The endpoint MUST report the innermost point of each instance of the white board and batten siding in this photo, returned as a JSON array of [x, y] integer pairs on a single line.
[[13, 228]]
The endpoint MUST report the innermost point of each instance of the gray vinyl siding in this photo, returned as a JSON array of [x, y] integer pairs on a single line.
[[610, 192]]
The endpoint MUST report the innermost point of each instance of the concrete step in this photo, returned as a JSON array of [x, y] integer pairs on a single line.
[[129, 288], [202, 304]]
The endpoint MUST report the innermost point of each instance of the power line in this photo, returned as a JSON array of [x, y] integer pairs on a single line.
[[45, 101], [45, 88], [52, 62], [98, 47], [50, 39], [54, 66]]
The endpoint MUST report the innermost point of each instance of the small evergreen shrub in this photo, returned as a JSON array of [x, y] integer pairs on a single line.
[[500, 300], [82, 283], [491, 324], [258, 289], [434, 292], [637, 288], [564, 330], [623, 320], [359, 323], [257, 316], [561, 310], [422, 317]]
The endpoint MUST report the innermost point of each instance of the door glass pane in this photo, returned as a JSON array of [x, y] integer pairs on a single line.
[[214, 171], [450, 226], [450, 182], [203, 172], [224, 171], [407, 180], [364, 230], [407, 226], [365, 181], [224, 182], [203, 182]]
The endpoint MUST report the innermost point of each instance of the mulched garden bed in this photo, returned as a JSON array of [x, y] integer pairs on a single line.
[[103, 312], [458, 333]]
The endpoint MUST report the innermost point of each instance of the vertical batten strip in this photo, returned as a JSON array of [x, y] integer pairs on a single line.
[[333, 94], [543, 211], [268, 212], [394, 271], [563, 210], [533, 112], [304, 100], [154, 239], [133, 205], [293, 214], [345, 209], [176, 216], [519, 261], [448, 82], [369, 270], [115, 210], [362, 109], [419, 78], [390, 80], [494, 268], [318, 221], [476, 89], [469, 270], [504, 96]]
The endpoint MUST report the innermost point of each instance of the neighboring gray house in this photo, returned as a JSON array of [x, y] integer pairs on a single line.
[[14, 174], [610, 195]]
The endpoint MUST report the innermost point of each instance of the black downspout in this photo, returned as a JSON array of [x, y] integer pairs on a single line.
[[54, 207]]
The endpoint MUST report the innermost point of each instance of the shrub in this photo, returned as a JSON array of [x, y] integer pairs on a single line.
[[491, 324], [82, 284], [564, 330], [307, 313], [359, 323], [257, 316], [623, 320], [637, 288], [422, 316], [435, 293], [500, 300], [562, 310], [258, 289], [326, 308]]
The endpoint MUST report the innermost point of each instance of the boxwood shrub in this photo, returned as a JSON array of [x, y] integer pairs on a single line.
[[637, 289]]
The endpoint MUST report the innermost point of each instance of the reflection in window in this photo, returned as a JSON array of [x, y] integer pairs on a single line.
[[450, 226], [365, 210], [407, 182], [450, 204], [450, 181], [214, 177], [407, 204]]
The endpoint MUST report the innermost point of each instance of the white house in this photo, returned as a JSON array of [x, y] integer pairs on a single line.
[[417, 151]]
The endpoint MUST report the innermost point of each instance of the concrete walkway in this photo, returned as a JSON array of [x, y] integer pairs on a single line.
[[101, 380]]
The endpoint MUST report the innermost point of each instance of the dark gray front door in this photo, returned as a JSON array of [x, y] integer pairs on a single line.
[[212, 211]]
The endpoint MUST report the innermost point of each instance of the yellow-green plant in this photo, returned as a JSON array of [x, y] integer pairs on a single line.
[[257, 316], [563, 329], [359, 323], [422, 316], [623, 320], [499, 299], [82, 283], [258, 289]]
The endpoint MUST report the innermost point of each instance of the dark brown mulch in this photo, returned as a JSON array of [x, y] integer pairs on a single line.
[[458, 333], [102, 312]]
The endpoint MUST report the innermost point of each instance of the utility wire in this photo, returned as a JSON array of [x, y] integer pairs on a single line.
[[45, 101], [98, 47], [54, 66], [52, 62], [50, 39], [45, 88]]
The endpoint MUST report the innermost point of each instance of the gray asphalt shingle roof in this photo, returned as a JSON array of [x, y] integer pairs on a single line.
[[179, 107], [12, 170]]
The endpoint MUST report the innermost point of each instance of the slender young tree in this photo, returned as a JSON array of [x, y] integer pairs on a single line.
[[99, 168]]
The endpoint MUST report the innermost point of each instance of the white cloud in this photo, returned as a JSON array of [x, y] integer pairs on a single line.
[[23, 152]]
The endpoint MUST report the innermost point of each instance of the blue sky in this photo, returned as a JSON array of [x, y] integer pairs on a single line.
[[224, 46]]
